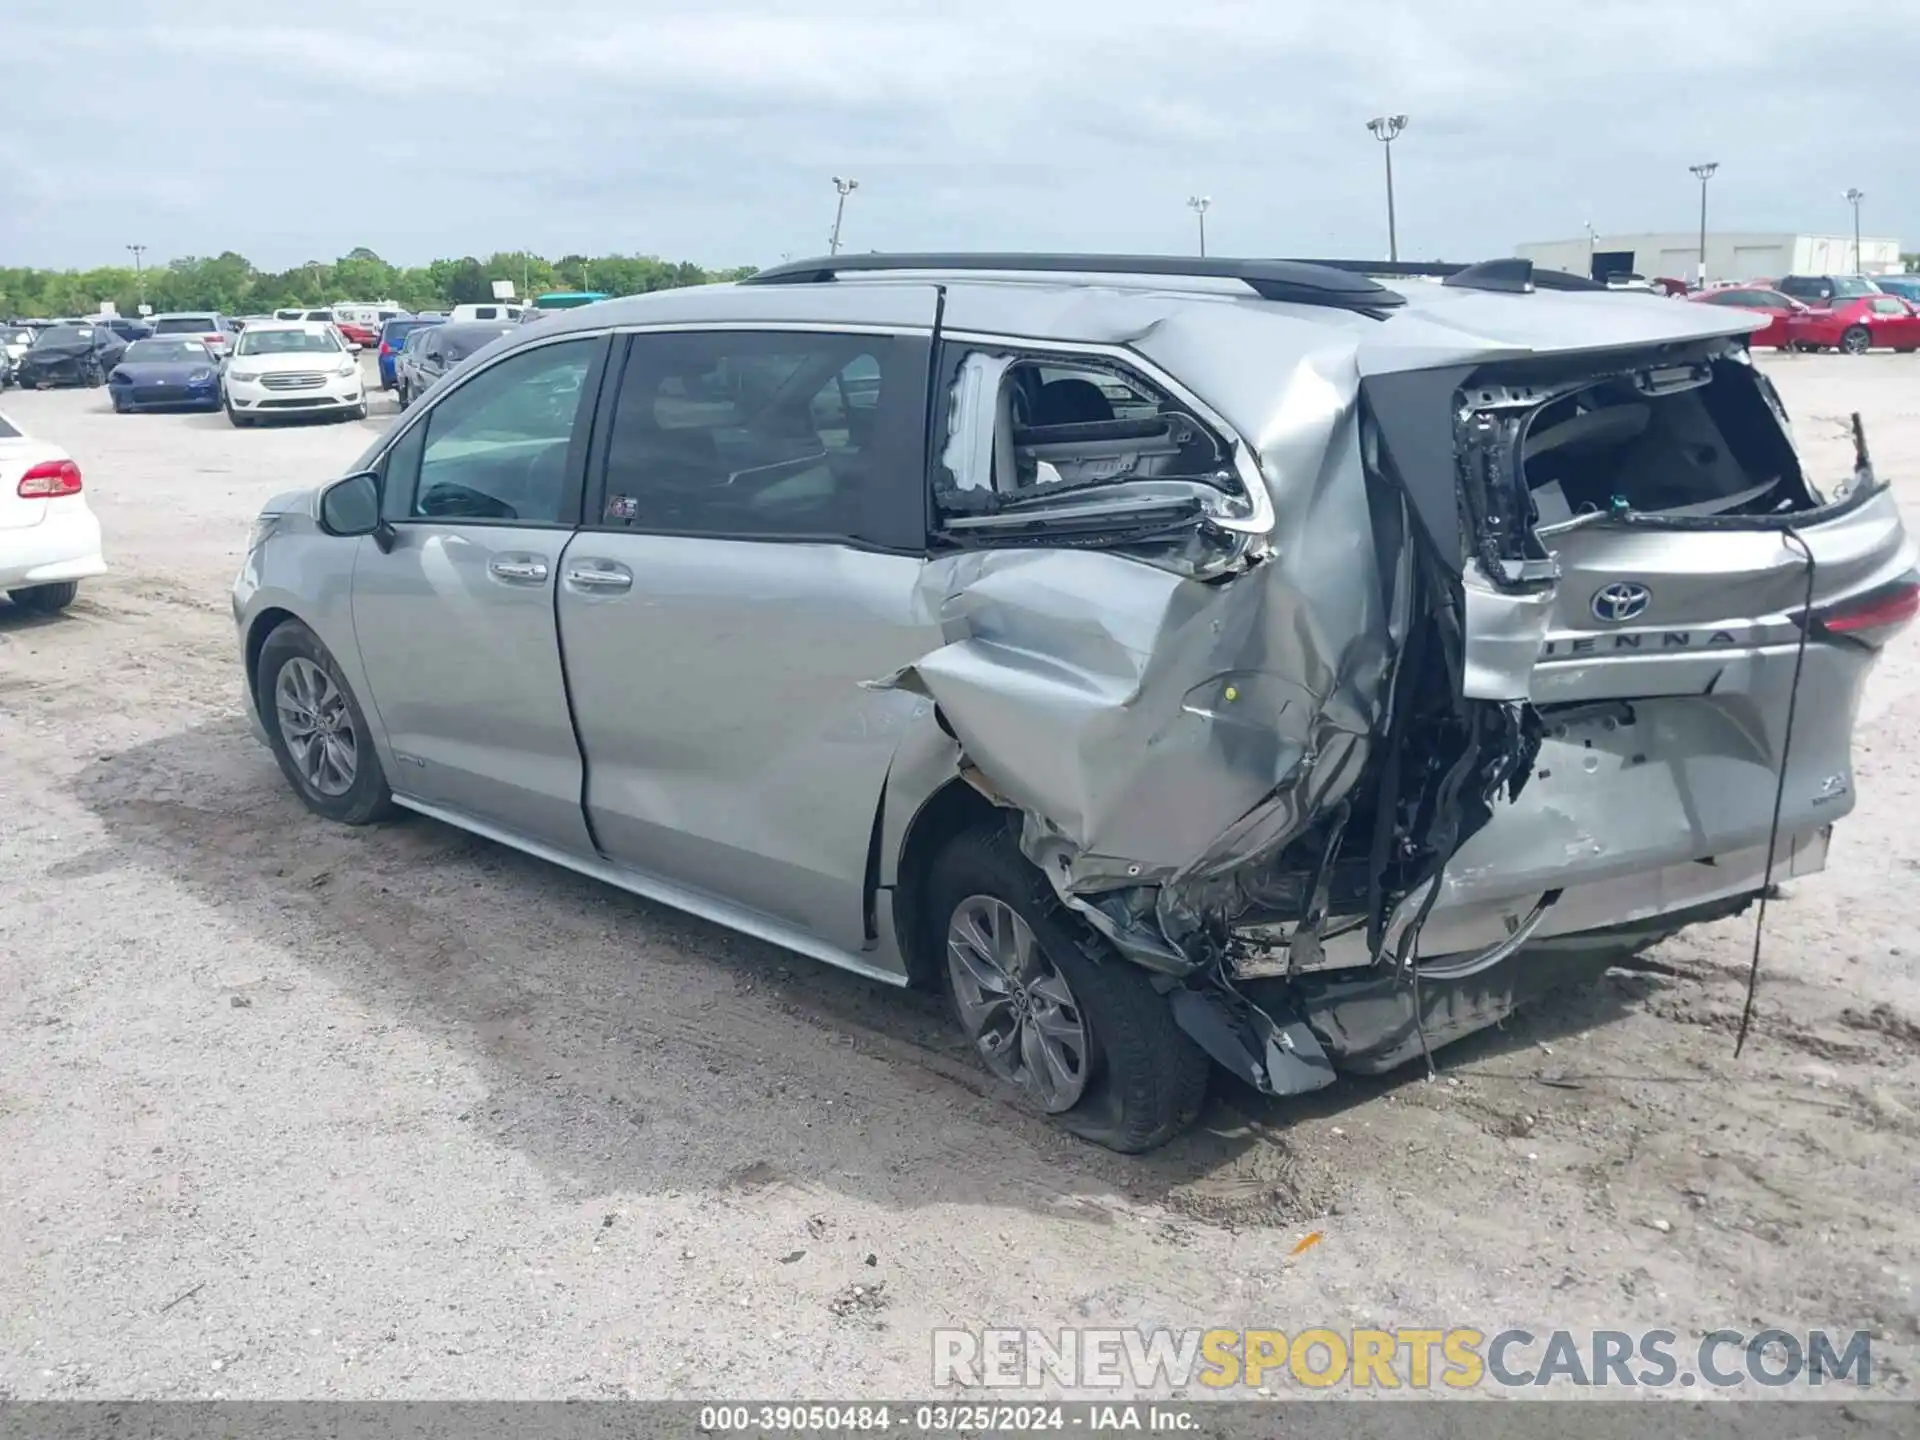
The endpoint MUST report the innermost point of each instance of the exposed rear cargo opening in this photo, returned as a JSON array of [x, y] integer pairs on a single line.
[[1697, 437], [1604, 607], [1682, 433]]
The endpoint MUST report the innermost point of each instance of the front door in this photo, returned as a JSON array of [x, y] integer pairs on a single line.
[[455, 622], [750, 560]]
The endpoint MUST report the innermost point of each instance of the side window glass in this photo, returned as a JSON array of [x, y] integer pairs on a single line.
[[1022, 428], [400, 475], [755, 435], [496, 447]]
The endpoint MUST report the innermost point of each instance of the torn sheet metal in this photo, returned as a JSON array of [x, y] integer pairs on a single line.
[[1276, 1056], [1155, 729]]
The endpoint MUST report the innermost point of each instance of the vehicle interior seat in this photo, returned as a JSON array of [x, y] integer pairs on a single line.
[[1070, 401]]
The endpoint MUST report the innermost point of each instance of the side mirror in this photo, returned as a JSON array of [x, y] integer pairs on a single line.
[[351, 506]]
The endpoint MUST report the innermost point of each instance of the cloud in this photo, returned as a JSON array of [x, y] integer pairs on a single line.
[[710, 131]]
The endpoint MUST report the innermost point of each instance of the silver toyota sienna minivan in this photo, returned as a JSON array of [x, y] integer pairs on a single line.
[[1288, 666]]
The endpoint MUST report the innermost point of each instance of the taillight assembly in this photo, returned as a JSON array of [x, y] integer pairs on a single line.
[[215, 339], [1874, 614], [385, 349], [49, 480]]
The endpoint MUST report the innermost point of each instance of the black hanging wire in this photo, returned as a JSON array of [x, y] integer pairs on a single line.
[[1790, 537]]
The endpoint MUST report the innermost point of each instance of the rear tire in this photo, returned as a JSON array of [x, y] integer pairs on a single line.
[[307, 719], [1139, 1080], [45, 599], [1856, 340]]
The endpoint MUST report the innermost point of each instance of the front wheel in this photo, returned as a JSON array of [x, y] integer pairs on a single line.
[[318, 731], [1856, 340], [1051, 1008], [237, 420], [45, 599]]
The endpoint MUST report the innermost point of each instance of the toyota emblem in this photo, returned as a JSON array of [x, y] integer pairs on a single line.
[[1620, 602]]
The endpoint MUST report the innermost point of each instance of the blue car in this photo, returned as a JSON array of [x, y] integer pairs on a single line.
[[393, 334], [165, 372]]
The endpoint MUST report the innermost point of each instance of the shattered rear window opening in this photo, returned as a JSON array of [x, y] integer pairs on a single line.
[[1058, 450], [1059, 427]]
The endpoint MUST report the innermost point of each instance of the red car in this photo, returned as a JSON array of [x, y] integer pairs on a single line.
[[356, 334], [1856, 324], [1779, 309]]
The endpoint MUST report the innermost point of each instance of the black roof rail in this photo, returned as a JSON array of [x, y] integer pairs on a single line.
[[1301, 282], [1507, 275]]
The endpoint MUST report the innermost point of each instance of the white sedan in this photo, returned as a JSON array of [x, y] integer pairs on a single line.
[[49, 538], [286, 368]]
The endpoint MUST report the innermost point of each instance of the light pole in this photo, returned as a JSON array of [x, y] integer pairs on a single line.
[[1385, 128], [140, 274], [846, 188], [1704, 173], [1199, 204], [1592, 240], [1853, 197]]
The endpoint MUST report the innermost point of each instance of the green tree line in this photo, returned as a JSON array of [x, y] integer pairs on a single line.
[[230, 284]]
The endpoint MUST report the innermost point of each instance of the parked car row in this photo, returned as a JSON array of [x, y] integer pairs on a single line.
[[1849, 313], [255, 369], [269, 369], [431, 351]]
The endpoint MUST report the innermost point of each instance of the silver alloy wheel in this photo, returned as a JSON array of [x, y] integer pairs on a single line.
[[1856, 341], [317, 726], [1015, 1004]]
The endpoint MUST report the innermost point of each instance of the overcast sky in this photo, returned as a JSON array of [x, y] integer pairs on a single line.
[[711, 131]]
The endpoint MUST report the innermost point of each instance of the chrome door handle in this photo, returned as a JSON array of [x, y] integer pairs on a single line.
[[589, 576], [522, 569]]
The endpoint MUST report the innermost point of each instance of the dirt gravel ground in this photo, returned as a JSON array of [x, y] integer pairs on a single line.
[[290, 1110]]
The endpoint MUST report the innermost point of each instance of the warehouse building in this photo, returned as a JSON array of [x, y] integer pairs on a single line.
[[1731, 255]]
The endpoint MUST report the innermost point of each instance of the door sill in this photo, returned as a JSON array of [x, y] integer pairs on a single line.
[[651, 887]]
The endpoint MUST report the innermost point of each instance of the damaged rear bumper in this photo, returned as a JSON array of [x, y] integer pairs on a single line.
[[1286, 1032]]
